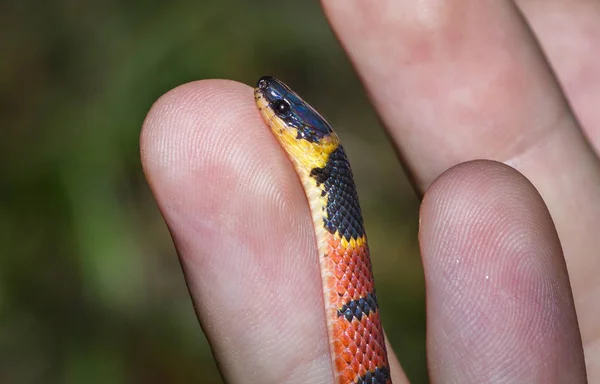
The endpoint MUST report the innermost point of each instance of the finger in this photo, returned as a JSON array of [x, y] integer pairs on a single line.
[[461, 80], [499, 305], [242, 228], [569, 33]]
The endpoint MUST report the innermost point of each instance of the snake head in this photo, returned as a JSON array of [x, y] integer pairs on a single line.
[[292, 110], [304, 134]]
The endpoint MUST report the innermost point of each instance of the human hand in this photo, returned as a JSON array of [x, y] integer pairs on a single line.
[[453, 82]]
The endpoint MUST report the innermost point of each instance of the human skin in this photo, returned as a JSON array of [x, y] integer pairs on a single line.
[[453, 81]]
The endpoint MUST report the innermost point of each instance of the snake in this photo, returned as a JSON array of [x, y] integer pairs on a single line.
[[354, 330]]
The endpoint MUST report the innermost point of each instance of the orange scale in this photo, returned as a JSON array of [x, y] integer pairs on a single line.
[[353, 348], [334, 241], [348, 376], [345, 281], [337, 270], [340, 363], [330, 282], [361, 292], [334, 298], [328, 264], [341, 290], [338, 345], [360, 281], [371, 366], [336, 330], [357, 367], [362, 370], [351, 331], [335, 256], [360, 329], [361, 346], [346, 298], [372, 324], [364, 281], [348, 356], [347, 258], [359, 358], [345, 339], [343, 323], [375, 362], [353, 293], [347, 277]]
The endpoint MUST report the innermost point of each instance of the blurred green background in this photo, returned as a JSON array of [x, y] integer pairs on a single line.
[[90, 287]]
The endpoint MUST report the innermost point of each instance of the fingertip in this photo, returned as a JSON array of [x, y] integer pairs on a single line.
[[485, 178], [496, 280], [184, 120], [483, 188]]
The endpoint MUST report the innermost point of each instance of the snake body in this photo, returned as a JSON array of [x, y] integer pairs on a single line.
[[356, 338]]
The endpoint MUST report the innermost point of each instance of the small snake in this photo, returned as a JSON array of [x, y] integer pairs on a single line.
[[356, 338]]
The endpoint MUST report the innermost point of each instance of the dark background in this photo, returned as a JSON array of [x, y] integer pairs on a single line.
[[90, 287]]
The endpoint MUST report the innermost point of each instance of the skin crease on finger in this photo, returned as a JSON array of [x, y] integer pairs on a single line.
[[499, 305], [455, 81]]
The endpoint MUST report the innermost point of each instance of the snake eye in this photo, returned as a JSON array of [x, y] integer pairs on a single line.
[[281, 107]]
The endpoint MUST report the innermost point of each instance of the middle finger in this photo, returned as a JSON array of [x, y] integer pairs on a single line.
[[461, 80]]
